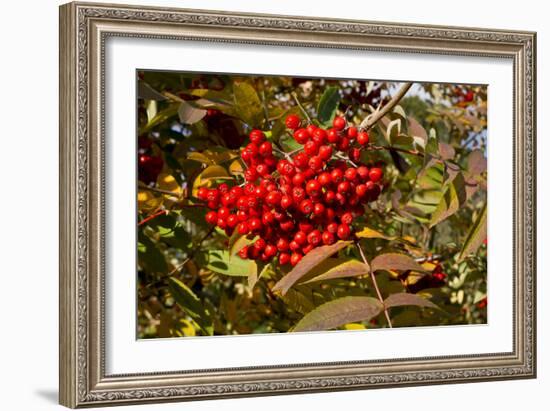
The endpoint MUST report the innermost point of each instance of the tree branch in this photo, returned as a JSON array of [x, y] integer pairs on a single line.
[[371, 120], [373, 278]]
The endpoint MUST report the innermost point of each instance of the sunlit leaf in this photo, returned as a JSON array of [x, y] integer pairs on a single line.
[[455, 195], [401, 299], [347, 268], [191, 304], [476, 235], [395, 261], [308, 262], [221, 262], [338, 312], [368, 232], [247, 104]]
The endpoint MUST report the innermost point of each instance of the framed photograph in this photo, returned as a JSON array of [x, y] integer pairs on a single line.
[[261, 205]]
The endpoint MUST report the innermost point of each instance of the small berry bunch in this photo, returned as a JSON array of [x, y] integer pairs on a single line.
[[149, 165], [300, 200]]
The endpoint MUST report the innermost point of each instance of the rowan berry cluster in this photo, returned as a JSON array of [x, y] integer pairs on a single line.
[[294, 202]]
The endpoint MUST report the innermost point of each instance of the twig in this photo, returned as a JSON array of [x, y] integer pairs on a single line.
[[159, 190], [341, 157], [373, 277], [295, 96], [371, 120], [146, 219]]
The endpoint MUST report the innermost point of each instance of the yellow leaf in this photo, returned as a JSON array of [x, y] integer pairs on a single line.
[[147, 201], [168, 182], [368, 232], [236, 168], [353, 326], [212, 157]]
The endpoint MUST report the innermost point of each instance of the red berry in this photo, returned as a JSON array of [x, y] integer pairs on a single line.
[[344, 187], [243, 252], [298, 194], [339, 123], [255, 224], [324, 179], [287, 225], [311, 148], [333, 136], [211, 217], [305, 226], [375, 174], [355, 154], [311, 129], [232, 221], [259, 244], [352, 133], [325, 152], [306, 206], [270, 250], [243, 228], [257, 136], [314, 238], [301, 136], [363, 172], [286, 202], [361, 190], [343, 232], [282, 244], [300, 160], [319, 136], [337, 175], [202, 193], [315, 163], [295, 258], [284, 258], [346, 218], [329, 197], [350, 174], [292, 121], [298, 179], [251, 174], [262, 170], [266, 149], [328, 238], [363, 138], [273, 198], [318, 209], [306, 249], [300, 237], [267, 218], [313, 188], [293, 245], [344, 143], [332, 228]]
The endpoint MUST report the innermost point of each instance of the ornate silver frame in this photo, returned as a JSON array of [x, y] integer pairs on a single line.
[[83, 30]]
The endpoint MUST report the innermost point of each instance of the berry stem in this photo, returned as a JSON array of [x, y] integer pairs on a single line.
[[371, 120], [345, 158], [373, 277], [295, 96]]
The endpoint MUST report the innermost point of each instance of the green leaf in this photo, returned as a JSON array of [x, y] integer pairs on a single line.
[[247, 104], [342, 269], [477, 234], [160, 117], [310, 260], [453, 198], [298, 301], [338, 312], [393, 130], [395, 261], [401, 299], [328, 104], [191, 304], [221, 262], [189, 114]]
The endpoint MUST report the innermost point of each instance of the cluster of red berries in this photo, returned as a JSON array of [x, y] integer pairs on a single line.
[[149, 165], [296, 201]]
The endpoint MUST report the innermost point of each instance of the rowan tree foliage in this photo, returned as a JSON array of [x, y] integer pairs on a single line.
[[281, 204]]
